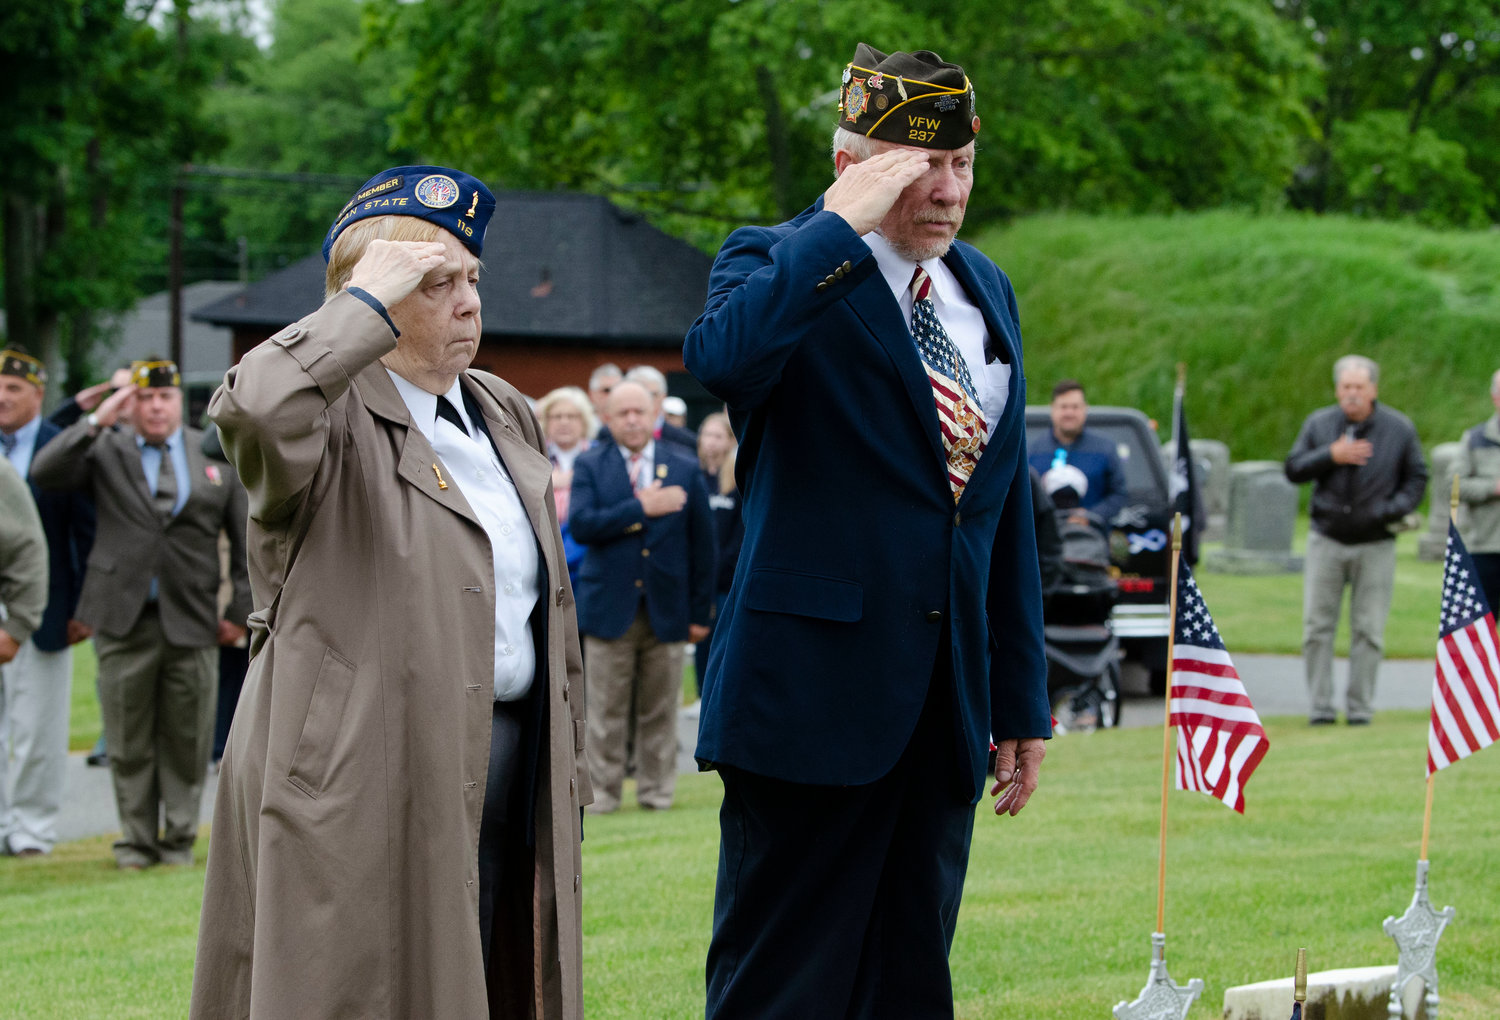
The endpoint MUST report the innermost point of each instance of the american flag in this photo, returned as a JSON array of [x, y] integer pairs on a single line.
[[1220, 740], [1465, 692], [960, 415]]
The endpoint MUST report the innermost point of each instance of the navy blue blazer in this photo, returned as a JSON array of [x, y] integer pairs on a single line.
[[668, 560], [856, 561], [68, 520]]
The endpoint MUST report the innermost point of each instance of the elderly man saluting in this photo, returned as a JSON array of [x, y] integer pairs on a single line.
[[885, 621], [398, 823]]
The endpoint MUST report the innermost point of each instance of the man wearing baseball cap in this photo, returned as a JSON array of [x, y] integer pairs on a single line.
[[398, 824], [861, 671]]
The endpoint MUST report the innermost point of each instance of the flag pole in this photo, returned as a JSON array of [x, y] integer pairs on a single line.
[[1427, 811], [1166, 739]]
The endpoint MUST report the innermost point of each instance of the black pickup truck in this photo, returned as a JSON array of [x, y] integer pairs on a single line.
[[1140, 535]]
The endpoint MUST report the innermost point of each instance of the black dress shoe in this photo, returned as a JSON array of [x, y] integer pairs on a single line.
[[97, 759]]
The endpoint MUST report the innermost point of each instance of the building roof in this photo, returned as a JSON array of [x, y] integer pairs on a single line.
[[564, 267]]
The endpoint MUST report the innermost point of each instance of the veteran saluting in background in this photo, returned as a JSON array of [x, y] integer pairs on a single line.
[[151, 594], [415, 686]]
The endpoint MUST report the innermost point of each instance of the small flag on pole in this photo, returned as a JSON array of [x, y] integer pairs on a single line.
[[1183, 488], [1466, 687], [1220, 740]]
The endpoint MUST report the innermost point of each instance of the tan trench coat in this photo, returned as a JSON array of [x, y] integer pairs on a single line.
[[343, 876]]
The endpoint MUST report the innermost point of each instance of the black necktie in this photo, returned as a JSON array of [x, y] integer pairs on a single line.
[[446, 410]]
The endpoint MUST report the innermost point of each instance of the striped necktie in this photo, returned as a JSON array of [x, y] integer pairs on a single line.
[[960, 415]]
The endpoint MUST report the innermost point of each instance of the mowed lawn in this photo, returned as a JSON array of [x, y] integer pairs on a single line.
[[1058, 909]]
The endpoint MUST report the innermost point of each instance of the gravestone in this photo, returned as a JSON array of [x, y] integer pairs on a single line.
[[1433, 542], [1262, 518], [1211, 458], [1354, 993]]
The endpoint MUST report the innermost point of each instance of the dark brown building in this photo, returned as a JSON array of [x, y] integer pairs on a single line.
[[569, 281]]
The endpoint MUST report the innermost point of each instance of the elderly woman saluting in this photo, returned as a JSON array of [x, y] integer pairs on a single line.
[[397, 827]]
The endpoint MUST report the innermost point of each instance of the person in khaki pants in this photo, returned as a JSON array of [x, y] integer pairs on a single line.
[[150, 594]]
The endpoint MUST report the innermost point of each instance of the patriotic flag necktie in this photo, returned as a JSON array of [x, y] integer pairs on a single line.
[[960, 415], [635, 466]]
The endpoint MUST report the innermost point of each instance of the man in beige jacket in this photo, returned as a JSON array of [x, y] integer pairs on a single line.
[[399, 814]]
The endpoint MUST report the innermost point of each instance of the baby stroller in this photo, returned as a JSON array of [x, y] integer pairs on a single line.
[[1083, 654]]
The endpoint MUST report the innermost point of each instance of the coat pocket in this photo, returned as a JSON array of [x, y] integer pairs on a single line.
[[787, 591], [325, 716]]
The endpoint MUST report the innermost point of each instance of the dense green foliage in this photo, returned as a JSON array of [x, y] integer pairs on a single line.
[[702, 114], [1259, 308], [1057, 911]]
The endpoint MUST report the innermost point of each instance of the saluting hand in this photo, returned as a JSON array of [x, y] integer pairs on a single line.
[[1018, 764], [113, 406], [390, 270], [865, 191]]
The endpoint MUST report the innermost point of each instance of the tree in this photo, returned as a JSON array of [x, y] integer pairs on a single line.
[[722, 111], [1409, 81], [100, 104]]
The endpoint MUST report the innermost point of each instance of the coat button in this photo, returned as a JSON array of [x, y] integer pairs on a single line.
[[830, 279], [821, 287], [577, 882], [640, 584], [958, 518], [572, 786], [847, 266], [559, 596], [934, 617], [565, 690], [839, 272], [645, 552]]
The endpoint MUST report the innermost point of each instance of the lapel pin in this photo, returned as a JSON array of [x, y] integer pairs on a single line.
[[661, 471], [212, 471], [441, 484]]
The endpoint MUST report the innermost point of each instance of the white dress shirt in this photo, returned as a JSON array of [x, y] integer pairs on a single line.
[[25, 445], [648, 458], [961, 319], [481, 477]]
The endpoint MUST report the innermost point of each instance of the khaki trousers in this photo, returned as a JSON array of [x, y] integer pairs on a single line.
[[158, 703], [1368, 570], [633, 674], [34, 689]]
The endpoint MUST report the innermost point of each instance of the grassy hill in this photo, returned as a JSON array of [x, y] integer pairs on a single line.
[[1259, 308]]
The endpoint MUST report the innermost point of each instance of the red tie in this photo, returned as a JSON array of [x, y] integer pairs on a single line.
[[635, 472]]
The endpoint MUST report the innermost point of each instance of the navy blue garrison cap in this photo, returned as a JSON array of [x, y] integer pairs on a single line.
[[458, 203]]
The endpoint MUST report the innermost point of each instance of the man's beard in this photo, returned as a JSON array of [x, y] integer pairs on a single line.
[[922, 251]]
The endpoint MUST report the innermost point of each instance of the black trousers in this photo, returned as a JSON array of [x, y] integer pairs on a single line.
[[842, 901], [505, 867]]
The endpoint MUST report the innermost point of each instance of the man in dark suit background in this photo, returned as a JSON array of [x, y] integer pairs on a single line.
[[885, 621], [150, 595], [646, 586], [35, 685], [655, 384]]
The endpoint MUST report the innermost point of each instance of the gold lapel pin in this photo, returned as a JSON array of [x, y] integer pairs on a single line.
[[661, 471], [441, 484]]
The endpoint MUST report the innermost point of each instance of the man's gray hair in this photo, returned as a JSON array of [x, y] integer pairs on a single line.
[[1358, 361], [608, 370], [855, 144], [648, 377]]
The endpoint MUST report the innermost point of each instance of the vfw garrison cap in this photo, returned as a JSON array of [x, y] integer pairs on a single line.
[[908, 98], [452, 199], [148, 374], [22, 366]]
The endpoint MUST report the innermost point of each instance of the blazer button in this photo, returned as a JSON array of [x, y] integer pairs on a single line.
[[640, 584], [847, 266], [934, 617], [559, 596], [821, 287], [830, 279], [839, 272], [565, 690], [958, 518], [645, 552]]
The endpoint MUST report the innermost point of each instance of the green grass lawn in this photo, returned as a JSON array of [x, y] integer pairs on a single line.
[[1058, 909]]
